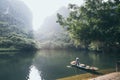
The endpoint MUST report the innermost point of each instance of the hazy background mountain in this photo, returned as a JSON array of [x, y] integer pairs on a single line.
[[51, 34]]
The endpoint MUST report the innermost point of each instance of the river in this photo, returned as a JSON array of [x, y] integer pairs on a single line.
[[49, 64]]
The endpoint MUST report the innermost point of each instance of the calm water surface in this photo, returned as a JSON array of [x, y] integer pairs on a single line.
[[49, 64]]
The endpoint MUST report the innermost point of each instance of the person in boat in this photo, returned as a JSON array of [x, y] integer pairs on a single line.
[[77, 61]]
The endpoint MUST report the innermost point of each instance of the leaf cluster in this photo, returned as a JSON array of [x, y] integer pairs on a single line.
[[95, 22]]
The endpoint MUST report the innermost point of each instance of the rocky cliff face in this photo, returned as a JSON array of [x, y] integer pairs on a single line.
[[15, 12], [15, 24]]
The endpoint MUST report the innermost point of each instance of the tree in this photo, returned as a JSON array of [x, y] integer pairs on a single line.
[[95, 21]]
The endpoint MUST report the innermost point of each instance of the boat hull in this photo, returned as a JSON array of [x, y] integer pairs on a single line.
[[87, 70]]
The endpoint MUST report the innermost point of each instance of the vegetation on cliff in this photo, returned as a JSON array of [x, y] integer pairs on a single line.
[[16, 26]]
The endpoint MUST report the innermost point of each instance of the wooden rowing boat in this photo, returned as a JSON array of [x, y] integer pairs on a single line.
[[85, 67]]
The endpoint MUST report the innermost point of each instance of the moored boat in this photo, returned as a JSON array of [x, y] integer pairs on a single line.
[[83, 66]]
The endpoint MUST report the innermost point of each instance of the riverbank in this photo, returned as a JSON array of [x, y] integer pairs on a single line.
[[87, 76], [8, 49], [110, 76], [16, 50]]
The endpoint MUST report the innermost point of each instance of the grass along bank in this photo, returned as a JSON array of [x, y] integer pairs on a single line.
[[87, 76]]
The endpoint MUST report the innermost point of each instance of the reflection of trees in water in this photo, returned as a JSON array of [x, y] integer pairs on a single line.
[[42, 66], [47, 62], [16, 66], [95, 58], [103, 60], [52, 64]]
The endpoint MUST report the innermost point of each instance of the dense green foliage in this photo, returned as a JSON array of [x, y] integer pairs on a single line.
[[15, 26], [94, 25]]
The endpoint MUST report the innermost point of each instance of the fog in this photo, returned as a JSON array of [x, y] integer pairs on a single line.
[[44, 8]]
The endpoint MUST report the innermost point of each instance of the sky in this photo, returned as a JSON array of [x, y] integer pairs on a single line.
[[44, 8]]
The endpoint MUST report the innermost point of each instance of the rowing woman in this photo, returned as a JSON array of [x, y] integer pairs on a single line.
[[77, 61]]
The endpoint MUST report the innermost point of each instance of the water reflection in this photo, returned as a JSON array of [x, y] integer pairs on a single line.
[[15, 66], [52, 63], [49, 64], [34, 74]]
